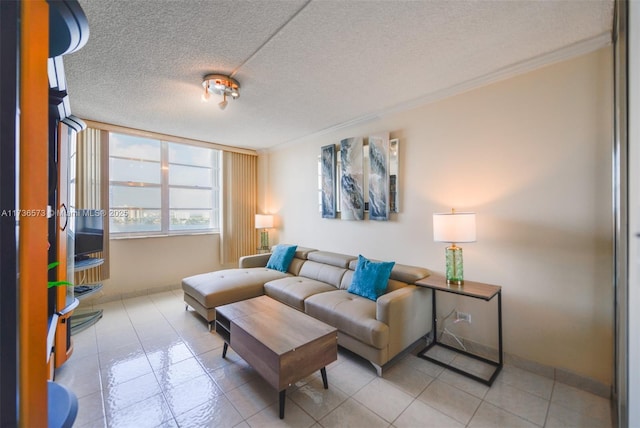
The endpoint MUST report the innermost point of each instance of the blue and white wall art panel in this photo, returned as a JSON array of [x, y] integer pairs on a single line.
[[328, 180], [351, 182], [379, 177]]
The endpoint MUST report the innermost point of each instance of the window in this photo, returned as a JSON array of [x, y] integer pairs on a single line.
[[161, 187]]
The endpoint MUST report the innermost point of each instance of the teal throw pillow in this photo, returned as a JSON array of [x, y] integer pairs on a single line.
[[281, 257], [370, 278]]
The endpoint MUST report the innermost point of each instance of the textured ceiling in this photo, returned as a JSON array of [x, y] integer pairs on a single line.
[[303, 66]]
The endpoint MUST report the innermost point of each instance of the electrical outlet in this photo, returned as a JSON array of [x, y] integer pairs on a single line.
[[463, 317]]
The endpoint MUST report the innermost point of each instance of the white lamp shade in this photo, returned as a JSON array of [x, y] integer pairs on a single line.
[[264, 221], [454, 227]]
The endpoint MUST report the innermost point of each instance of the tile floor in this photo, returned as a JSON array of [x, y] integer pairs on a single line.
[[150, 363]]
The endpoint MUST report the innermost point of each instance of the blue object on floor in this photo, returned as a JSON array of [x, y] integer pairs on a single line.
[[63, 406]]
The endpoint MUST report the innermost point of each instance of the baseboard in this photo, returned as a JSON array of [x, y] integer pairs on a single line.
[[138, 293], [565, 376]]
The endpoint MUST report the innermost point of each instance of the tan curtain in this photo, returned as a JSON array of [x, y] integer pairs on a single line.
[[239, 204], [92, 192]]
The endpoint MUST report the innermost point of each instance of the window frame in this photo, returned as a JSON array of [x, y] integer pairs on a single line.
[[165, 209]]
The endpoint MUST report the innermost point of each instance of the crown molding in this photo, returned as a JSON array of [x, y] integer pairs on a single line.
[[571, 51]]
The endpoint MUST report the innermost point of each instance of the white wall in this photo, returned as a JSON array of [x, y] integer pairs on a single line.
[[145, 265], [531, 155]]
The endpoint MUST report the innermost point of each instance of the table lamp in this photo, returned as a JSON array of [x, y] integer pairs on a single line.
[[454, 228], [264, 222]]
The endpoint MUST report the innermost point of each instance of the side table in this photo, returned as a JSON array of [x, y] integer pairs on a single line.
[[476, 290]]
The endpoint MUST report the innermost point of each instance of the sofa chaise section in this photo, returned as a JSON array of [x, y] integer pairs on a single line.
[[206, 291]]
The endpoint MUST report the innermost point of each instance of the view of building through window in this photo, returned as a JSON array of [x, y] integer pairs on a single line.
[[162, 187]]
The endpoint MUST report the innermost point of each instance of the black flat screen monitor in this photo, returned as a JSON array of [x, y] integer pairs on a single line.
[[89, 234]]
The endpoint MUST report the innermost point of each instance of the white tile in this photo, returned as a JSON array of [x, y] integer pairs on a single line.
[[190, 394], [171, 423], [294, 416], [422, 365], [121, 395], [180, 372], [407, 378], [96, 423], [464, 383], [317, 401], [349, 377], [451, 401], [231, 376], [203, 342], [352, 414], [384, 399], [117, 338], [80, 374], [561, 417], [90, 410], [219, 413], [119, 353], [252, 397], [489, 415], [125, 369], [526, 381], [442, 354], [85, 343], [476, 367], [582, 402], [212, 360], [148, 413], [521, 403], [419, 414], [161, 356]]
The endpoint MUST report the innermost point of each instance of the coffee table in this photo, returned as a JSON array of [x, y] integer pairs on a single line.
[[282, 344]]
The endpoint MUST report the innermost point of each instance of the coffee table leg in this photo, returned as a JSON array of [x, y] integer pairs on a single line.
[[283, 394], [323, 372], [224, 350]]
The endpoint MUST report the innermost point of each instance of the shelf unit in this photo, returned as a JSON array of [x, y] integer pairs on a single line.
[[82, 320]]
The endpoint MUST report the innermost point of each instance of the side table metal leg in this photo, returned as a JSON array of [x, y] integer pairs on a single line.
[[323, 372], [283, 395], [224, 350]]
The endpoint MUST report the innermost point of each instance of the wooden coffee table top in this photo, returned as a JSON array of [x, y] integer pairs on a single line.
[[274, 324]]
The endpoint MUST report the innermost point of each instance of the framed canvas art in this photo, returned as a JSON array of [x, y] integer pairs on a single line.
[[351, 181], [328, 181], [378, 179]]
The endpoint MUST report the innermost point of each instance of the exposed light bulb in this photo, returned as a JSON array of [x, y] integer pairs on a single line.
[[223, 104], [205, 96]]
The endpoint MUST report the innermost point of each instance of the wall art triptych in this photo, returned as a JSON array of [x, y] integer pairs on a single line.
[[362, 177]]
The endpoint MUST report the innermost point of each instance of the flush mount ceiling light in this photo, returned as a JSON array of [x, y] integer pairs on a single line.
[[221, 85]]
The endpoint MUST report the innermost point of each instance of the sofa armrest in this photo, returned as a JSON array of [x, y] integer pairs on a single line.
[[253, 261], [407, 312]]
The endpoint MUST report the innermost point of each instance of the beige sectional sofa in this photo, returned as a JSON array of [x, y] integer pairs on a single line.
[[316, 283]]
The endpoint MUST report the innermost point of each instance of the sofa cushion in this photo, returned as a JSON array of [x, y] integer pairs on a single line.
[[230, 285], [333, 259], [371, 278], [351, 314], [294, 290], [322, 272], [281, 257]]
